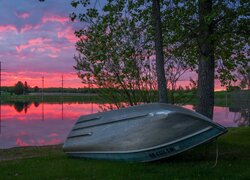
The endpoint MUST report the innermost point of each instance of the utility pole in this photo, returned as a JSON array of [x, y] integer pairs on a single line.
[[62, 97], [0, 78], [62, 83], [42, 85], [42, 98]]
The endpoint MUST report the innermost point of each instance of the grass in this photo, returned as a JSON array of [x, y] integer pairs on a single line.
[[51, 163], [186, 98]]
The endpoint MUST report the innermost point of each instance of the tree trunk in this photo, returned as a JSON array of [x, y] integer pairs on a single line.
[[248, 79], [161, 79], [206, 61]]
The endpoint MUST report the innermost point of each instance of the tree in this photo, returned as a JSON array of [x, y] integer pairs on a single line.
[[126, 37], [161, 79], [26, 88], [213, 35], [174, 69], [19, 88], [244, 77], [36, 89], [115, 53]]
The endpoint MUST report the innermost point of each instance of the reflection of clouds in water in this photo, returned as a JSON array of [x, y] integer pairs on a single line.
[[28, 129], [19, 142], [229, 117]]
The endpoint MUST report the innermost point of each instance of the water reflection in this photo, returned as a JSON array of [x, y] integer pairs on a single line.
[[29, 124], [42, 124], [20, 106], [244, 116], [229, 116]]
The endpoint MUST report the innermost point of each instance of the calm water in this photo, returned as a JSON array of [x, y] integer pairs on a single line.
[[46, 124]]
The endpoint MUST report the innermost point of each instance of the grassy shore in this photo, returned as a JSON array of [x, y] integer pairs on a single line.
[[49, 98], [51, 163], [221, 98]]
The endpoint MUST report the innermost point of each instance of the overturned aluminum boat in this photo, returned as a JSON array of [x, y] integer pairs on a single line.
[[140, 133]]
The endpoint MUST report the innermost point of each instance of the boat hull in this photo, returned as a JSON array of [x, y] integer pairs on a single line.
[[139, 134]]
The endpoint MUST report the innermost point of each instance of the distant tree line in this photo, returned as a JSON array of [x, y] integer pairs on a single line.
[[21, 88]]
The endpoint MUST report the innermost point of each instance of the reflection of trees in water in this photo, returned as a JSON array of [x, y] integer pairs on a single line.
[[36, 104], [244, 118], [19, 106], [241, 99], [22, 106]]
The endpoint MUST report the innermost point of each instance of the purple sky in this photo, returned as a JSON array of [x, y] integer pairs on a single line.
[[37, 39]]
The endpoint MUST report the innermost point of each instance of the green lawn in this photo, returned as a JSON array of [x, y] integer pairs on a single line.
[[51, 163]]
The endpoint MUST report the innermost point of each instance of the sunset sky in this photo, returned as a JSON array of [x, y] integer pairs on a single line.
[[37, 39]]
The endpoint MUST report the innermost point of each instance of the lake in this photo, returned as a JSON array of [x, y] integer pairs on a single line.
[[38, 124]]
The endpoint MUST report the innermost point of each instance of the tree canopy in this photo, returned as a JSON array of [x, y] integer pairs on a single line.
[[116, 46]]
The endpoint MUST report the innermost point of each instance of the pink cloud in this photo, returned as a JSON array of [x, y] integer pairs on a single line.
[[20, 142], [68, 34], [26, 28], [7, 28], [23, 15], [40, 49], [53, 49], [31, 43], [53, 55], [54, 18], [35, 79]]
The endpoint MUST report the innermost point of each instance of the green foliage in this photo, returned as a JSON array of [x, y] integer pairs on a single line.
[[114, 54], [19, 88], [229, 29], [116, 51]]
